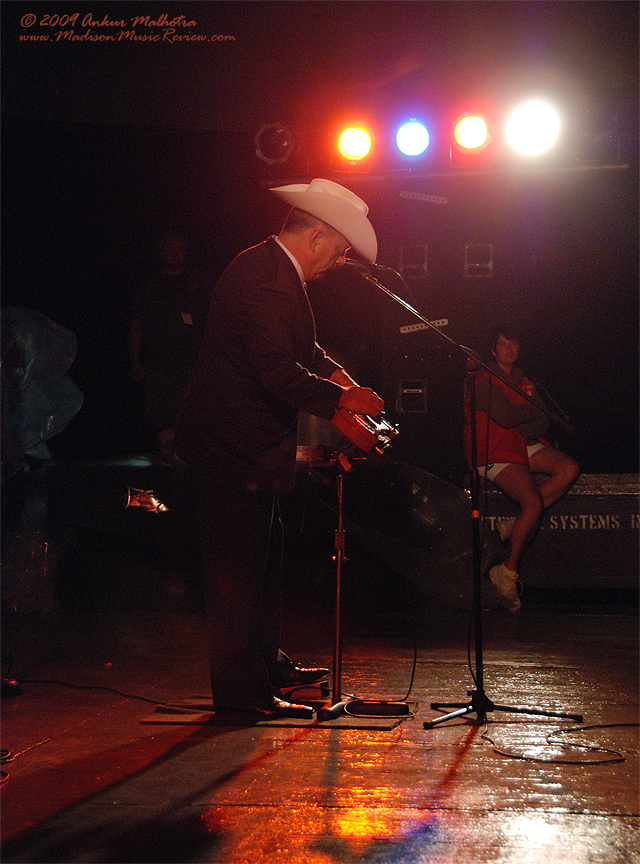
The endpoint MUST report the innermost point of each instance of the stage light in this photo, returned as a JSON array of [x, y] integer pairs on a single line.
[[532, 128], [470, 141], [352, 146], [471, 133], [274, 143], [412, 138], [354, 143]]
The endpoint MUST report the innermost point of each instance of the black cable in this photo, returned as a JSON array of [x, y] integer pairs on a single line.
[[274, 507], [390, 703], [413, 668], [544, 393], [8, 756], [170, 705], [369, 704], [617, 756], [97, 687], [6, 629]]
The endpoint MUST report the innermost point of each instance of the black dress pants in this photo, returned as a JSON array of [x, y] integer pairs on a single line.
[[241, 535]]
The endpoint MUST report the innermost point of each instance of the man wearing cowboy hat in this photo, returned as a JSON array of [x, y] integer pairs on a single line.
[[258, 367]]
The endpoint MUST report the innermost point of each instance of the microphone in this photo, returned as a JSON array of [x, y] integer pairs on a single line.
[[362, 265]]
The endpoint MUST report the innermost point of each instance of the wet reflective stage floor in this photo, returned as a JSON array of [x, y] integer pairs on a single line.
[[94, 777], [96, 772]]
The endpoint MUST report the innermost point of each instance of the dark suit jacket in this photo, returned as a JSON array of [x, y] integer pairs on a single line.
[[258, 366]]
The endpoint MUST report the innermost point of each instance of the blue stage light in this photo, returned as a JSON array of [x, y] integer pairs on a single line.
[[412, 138]]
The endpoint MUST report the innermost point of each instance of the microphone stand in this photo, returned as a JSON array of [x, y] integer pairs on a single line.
[[338, 704], [377, 708], [479, 703]]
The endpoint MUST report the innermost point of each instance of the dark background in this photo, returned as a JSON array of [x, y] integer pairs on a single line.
[[102, 143]]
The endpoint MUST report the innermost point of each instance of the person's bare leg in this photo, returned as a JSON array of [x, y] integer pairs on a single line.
[[562, 473], [518, 484]]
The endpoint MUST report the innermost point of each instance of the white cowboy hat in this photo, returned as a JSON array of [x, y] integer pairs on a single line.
[[338, 207]]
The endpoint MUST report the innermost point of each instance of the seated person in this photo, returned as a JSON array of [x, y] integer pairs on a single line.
[[510, 449]]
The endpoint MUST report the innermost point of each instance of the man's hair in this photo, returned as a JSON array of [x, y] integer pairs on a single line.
[[298, 221]]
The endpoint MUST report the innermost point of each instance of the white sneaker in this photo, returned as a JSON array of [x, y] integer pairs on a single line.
[[505, 527], [506, 584]]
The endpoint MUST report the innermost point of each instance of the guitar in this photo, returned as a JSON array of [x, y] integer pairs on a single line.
[[370, 436]]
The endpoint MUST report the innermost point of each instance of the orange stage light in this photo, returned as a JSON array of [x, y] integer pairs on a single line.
[[354, 143]]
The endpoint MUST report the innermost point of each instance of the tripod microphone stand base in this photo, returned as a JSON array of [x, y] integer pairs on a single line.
[[480, 705]]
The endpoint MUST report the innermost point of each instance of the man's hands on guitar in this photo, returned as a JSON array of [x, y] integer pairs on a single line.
[[361, 400]]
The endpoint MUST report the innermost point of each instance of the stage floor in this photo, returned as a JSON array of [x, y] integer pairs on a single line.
[[90, 779]]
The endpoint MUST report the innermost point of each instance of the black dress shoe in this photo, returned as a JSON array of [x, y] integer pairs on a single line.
[[275, 708], [296, 676]]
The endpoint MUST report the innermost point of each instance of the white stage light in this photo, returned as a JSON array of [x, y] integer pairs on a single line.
[[533, 128]]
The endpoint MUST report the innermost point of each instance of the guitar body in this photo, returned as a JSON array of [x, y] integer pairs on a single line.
[[369, 435]]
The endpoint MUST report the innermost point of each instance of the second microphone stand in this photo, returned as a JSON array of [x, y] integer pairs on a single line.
[[479, 703], [349, 705]]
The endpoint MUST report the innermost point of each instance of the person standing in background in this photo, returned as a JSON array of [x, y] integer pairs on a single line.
[[168, 314]]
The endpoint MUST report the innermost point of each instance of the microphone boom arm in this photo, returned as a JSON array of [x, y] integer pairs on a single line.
[[473, 361]]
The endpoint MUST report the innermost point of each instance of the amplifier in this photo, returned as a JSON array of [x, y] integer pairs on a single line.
[[412, 396]]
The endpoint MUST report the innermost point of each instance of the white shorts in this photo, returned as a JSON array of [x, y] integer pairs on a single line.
[[492, 470]]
